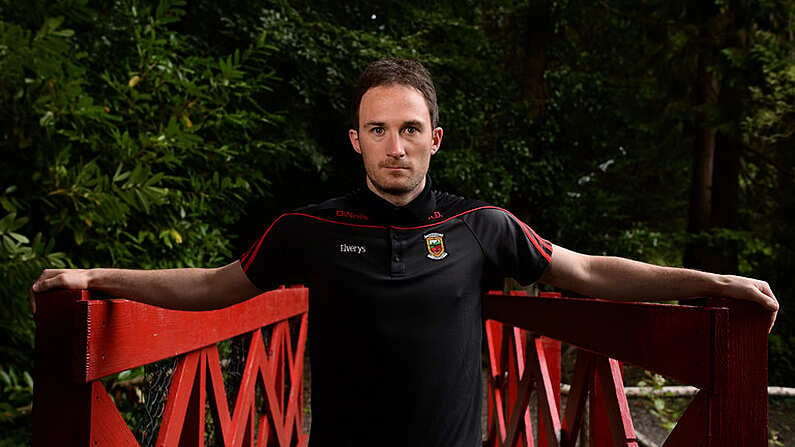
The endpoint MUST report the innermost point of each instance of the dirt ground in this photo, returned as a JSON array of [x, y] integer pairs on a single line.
[[781, 421]]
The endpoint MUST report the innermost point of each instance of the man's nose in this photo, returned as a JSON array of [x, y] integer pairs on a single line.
[[395, 147]]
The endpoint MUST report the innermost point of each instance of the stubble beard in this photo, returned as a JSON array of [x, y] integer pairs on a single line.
[[399, 189]]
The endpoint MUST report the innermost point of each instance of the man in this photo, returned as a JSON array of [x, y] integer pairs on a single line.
[[396, 272]]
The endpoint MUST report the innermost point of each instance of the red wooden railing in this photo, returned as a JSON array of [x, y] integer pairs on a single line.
[[720, 349], [79, 341]]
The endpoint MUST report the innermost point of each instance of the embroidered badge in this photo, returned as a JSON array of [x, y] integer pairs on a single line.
[[434, 242]]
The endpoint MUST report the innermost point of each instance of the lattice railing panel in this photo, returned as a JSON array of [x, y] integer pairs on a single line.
[[722, 351], [102, 337]]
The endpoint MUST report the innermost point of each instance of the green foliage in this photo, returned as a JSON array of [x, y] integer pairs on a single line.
[[17, 390], [664, 408], [780, 353], [667, 409], [16, 393], [143, 161], [323, 48], [769, 122], [20, 260], [142, 193], [162, 134], [129, 140]]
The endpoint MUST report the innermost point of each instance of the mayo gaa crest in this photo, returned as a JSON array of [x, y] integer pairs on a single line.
[[434, 242]]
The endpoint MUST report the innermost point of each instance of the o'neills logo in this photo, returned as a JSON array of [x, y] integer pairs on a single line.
[[351, 215], [434, 242]]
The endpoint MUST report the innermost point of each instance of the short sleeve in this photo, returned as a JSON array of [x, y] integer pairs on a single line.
[[272, 260], [510, 244]]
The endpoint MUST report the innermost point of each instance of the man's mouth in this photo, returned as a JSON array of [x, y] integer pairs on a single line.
[[393, 166]]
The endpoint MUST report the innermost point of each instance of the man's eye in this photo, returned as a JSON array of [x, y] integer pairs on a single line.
[[411, 130], [378, 130]]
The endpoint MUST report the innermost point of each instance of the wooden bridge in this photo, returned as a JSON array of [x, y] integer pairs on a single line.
[[720, 348]]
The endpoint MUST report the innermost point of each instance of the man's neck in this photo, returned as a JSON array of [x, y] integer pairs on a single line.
[[398, 199]]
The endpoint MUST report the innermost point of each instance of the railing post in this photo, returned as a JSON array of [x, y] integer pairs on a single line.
[[61, 405], [739, 410]]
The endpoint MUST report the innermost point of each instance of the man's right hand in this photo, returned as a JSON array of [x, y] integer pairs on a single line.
[[58, 279]]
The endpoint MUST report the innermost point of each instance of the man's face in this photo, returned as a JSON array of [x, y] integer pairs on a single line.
[[396, 141]]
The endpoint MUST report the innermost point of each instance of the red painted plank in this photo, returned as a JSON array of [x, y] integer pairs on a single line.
[[575, 403], [511, 387], [241, 419], [263, 432], [518, 409], [552, 354], [156, 333], [496, 426], [108, 428], [224, 420], [599, 434], [498, 405], [193, 428], [494, 340], [620, 420], [513, 353], [548, 408], [271, 396], [671, 340], [248, 433], [552, 349], [497, 383], [520, 358], [294, 409], [179, 395]]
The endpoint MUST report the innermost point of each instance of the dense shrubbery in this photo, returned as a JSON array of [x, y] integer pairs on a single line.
[[131, 145], [139, 135]]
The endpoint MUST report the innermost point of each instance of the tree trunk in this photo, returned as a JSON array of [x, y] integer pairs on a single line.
[[722, 254], [532, 28], [707, 90], [716, 156], [538, 37]]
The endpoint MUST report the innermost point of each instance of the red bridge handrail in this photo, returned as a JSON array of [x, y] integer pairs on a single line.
[[720, 349], [80, 340]]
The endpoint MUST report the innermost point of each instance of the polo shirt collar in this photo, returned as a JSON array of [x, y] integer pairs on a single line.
[[415, 212]]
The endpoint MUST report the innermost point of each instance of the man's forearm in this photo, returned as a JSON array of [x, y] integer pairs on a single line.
[[172, 288], [625, 279], [186, 289]]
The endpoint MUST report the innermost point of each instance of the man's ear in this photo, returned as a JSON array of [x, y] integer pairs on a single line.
[[353, 135], [438, 133]]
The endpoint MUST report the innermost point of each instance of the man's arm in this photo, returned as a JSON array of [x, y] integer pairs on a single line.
[[623, 279], [185, 289]]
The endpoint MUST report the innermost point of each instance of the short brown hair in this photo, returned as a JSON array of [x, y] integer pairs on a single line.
[[386, 72]]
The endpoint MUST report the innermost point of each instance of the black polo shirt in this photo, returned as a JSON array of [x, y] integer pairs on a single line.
[[395, 309]]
